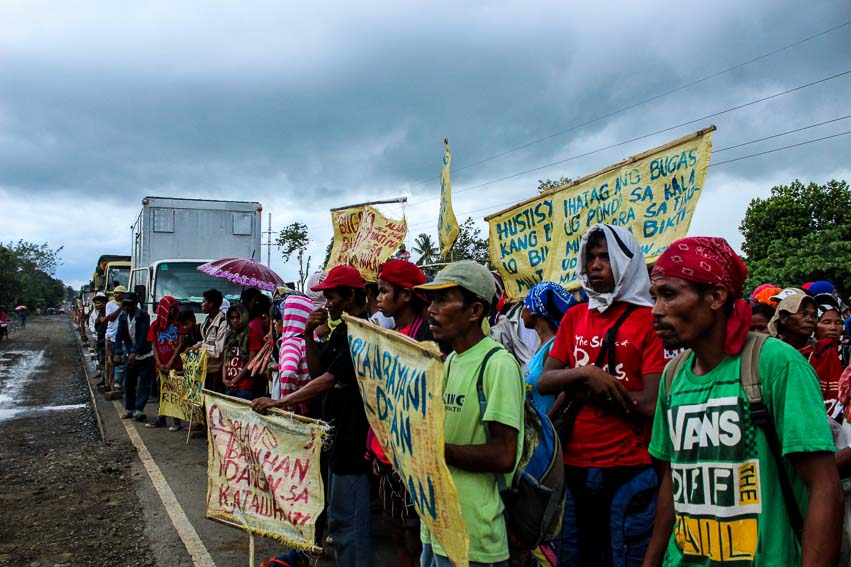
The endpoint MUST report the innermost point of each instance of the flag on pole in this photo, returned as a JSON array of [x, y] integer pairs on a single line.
[[447, 225]]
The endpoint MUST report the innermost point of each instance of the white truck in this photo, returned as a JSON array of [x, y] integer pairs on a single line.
[[172, 237]]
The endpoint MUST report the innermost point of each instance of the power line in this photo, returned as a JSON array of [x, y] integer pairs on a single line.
[[500, 205], [643, 136], [642, 102], [781, 148], [782, 134]]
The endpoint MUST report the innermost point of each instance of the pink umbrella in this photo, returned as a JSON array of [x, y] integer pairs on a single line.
[[20, 307], [244, 271]]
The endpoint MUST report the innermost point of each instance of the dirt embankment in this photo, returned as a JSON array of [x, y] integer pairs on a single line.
[[66, 498]]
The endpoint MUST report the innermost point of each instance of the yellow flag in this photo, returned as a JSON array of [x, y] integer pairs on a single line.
[[447, 225]]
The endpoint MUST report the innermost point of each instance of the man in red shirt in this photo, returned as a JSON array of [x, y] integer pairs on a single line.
[[610, 502]]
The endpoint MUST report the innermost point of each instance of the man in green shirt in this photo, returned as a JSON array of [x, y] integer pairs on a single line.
[[720, 500], [477, 449]]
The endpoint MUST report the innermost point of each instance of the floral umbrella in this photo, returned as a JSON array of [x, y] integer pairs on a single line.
[[244, 271]]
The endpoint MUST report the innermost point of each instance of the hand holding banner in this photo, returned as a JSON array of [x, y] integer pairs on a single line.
[[401, 384]]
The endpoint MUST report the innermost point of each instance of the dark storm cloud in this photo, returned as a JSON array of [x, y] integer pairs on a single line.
[[305, 109]]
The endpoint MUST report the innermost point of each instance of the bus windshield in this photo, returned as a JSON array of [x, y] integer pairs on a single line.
[[185, 283]]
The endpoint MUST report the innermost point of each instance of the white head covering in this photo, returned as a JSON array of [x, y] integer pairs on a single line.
[[317, 297], [632, 282]]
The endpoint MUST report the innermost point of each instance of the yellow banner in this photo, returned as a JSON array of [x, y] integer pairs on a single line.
[[377, 239], [263, 470], [401, 384], [345, 223], [653, 194], [447, 224], [174, 394], [194, 374]]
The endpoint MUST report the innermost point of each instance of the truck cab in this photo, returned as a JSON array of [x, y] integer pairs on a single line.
[[172, 236]]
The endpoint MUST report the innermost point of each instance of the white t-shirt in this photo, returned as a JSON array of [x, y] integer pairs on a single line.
[[112, 326]]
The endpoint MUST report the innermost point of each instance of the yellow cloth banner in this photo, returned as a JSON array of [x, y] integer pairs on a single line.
[[345, 222], [447, 224], [401, 384], [194, 374], [377, 239], [263, 470], [653, 194], [174, 398], [364, 238]]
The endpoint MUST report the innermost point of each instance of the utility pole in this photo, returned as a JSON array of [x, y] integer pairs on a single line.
[[268, 245]]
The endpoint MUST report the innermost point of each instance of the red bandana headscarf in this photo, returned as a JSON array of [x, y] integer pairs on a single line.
[[162, 322], [706, 260]]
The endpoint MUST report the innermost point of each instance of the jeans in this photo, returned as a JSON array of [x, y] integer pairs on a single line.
[[349, 519], [608, 516], [117, 369], [244, 394], [429, 559], [137, 384]]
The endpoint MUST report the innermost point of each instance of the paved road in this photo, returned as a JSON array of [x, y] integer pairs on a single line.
[[167, 476]]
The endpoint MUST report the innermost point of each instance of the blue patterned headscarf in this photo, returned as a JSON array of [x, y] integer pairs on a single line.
[[550, 301]]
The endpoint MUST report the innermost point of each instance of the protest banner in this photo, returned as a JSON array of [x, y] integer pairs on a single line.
[[401, 384], [447, 224], [194, 374], [377, 239], [345, 222], [263, 470], [173, 398], [652, 194]]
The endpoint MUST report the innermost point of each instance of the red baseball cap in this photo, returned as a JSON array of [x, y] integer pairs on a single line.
[[402, 273], [341, 276]]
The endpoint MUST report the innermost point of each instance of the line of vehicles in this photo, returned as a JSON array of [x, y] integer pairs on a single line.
[[170, 238]]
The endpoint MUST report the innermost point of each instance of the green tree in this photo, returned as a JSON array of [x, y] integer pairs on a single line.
[[33, 256], [291, 240], [470, 245], [800, 233], [426, 248], [10, 283], [545, 185]]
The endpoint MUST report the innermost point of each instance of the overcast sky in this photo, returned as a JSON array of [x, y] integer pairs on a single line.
[[305, 107]]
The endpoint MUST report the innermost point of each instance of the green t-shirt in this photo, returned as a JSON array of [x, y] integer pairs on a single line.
[[478, 493], [727, 498]]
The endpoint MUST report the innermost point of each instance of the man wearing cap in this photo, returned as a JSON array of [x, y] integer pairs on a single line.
[[477, 448], [116, 366], [333, 375], [608, 361], [721, 499], [398, 301], [132, 340]]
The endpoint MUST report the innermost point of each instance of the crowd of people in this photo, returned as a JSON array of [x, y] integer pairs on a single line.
[[699, 425]]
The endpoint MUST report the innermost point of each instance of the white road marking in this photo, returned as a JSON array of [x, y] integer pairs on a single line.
[[200, 556]]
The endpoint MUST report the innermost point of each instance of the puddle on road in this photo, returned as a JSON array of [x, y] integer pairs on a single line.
[[16, 370]]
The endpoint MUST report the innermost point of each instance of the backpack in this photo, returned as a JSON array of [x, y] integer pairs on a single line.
[[760, 416], [534, 503]]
